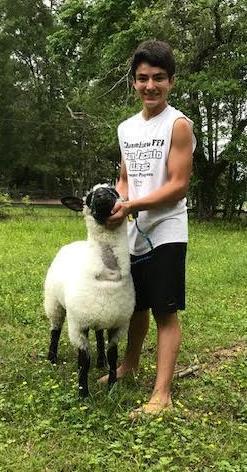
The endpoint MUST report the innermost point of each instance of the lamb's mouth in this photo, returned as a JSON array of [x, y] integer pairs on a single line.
[[101, 201]]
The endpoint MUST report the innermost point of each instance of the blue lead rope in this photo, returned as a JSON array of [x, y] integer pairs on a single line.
[[146, 237]]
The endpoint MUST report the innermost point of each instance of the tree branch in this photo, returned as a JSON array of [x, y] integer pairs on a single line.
[[207, 51], [223, 162], [116, 84], [81, 115], [218, 30]]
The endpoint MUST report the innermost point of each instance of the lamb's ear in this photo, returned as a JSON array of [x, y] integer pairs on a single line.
[[89, 199], [73, 203], [116, 193]]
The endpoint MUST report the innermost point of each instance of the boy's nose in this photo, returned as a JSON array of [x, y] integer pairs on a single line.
[[150, 84]]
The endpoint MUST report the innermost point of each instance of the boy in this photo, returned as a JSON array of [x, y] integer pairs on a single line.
[[156, 147]]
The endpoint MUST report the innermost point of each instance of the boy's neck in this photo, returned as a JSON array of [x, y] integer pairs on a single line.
[[149, 113]]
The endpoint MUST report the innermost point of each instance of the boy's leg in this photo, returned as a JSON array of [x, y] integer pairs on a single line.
[[138, 329], [167, 287], [168, 343]]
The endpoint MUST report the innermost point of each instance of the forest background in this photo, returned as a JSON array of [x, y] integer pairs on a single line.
[[65, 85]]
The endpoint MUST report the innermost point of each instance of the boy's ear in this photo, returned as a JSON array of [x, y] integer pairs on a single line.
[[133, 84], [172, 81], [73, 203]]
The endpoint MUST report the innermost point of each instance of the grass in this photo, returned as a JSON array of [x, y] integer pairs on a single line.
[[44, 428]]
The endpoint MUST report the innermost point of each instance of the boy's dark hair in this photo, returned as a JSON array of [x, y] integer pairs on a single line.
[[156, 54]]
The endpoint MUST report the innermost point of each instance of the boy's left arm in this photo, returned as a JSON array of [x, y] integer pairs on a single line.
[[179, 167], [179, 164]]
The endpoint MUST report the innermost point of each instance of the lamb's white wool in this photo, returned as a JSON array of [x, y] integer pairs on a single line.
[[90, 281], [93, 295]]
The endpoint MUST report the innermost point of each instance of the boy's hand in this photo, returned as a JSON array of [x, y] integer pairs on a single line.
[[119, 213]]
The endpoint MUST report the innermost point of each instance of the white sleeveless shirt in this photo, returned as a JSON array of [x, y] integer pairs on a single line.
[[145, 146]]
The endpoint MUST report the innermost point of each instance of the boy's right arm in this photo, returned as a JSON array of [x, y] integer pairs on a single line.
[[119, 208], [122, 184]]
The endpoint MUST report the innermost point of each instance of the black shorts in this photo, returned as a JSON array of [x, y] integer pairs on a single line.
[[159, 279]]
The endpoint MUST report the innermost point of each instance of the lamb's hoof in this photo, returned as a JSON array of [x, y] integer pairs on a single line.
[[101, 362], [52, 358], [111, 384], [83, 393]]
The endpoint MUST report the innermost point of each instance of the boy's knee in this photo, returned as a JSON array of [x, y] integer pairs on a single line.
[[166, 319]]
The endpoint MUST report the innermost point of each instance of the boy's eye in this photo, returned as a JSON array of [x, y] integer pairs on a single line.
[[158, 78]]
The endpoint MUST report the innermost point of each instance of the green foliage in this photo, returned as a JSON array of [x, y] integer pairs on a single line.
[[28, 205], [78, 53], [43, 426], [210, 88], [5, 199], [26, 200], [5, 203]]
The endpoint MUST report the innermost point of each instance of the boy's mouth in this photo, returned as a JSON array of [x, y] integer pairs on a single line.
[[151, 96]]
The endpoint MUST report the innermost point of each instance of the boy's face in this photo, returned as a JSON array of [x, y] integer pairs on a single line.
[[152, 85]]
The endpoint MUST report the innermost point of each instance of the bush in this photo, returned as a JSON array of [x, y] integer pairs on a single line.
[[5, 204], [28, 207]]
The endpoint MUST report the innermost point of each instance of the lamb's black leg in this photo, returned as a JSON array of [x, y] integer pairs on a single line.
[[52, 354], [112, 355], [101, 357], [83, 368]]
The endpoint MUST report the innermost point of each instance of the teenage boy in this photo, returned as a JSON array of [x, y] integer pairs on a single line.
[[156, 146]]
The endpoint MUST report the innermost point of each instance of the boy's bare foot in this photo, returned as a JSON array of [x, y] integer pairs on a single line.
[[157, 405], [122, 370]]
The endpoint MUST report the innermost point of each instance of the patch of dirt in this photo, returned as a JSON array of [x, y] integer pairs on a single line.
[[231, 352], [215, 359], [221, 355]]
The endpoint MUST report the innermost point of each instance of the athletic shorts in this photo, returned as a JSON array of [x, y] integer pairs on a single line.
[[159, 279]]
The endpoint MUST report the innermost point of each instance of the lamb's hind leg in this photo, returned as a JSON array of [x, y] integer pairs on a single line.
[[79, 339], [112, 355], [57, 321], [101, 357]]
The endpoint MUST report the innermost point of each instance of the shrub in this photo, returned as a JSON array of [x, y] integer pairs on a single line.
[[5, 204]]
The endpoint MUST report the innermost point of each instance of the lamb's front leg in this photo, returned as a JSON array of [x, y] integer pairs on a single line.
[[79, 339], [112, 356], [83, 367]]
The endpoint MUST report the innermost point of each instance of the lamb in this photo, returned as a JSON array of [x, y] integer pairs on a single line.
[[90, 282]]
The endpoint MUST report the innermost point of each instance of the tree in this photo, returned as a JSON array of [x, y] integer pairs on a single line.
[[30, 121], [78, 52], [210, 88]]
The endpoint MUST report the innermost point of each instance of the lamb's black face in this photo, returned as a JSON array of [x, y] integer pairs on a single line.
[[101, 202]]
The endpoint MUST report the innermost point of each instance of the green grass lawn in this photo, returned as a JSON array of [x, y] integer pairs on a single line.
[[44, 428]]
